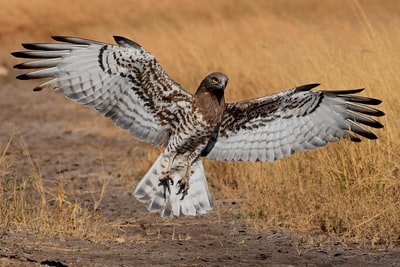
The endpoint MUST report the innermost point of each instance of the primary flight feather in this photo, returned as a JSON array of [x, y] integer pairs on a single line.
[[126, 84]]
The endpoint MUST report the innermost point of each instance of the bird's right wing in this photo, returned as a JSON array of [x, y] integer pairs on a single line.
[[124, 83]]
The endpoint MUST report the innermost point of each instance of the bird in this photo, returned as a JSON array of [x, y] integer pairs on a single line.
[[126, 83]]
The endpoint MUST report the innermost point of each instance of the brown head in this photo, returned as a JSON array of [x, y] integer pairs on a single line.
[[209, 97], [214, 84]]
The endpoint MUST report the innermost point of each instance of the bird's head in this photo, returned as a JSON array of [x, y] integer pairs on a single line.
[[214, 84], [215, 81]]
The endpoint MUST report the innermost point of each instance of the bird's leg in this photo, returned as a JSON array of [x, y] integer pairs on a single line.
[[183, 183], [166, 179]]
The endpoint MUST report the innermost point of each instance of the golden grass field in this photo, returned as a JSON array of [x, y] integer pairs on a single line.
[[349, 191]]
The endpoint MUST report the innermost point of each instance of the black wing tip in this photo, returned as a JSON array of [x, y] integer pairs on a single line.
[[379, 113], [349, 95], [374, 101], [60, 38], [30, 46], [351, 91], [370, 136], [344, 92], [75, 40], [19, 54], [306, 87], [379, 125], [28, 76], [374, 124], [125, 42], [361, 99], [67, 39], [20, 66], [354, 136], [23, 77]]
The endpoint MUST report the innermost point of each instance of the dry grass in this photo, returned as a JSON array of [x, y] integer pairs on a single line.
[[348, 190], [48, 211]]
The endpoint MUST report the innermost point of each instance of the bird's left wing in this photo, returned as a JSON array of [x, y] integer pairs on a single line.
[[125, 83], [271, 127]]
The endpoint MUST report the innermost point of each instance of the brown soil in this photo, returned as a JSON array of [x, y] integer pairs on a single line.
[[77, 144]]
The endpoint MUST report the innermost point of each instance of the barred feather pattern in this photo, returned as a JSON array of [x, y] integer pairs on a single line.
[[165, 199], [124, 83], [272, 127]]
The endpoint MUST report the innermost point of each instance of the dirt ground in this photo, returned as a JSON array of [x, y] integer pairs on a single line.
[[64, 138]]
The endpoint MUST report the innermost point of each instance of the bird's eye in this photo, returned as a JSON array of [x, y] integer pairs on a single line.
[[214, 80]]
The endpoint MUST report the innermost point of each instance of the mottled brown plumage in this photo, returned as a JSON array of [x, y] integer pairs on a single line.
[[126, 84], [192, 134], [209, 98]]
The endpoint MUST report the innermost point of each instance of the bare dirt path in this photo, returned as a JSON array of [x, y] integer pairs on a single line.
[[66, 140]]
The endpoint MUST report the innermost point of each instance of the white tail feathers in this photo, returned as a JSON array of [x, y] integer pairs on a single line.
[[167, 202]]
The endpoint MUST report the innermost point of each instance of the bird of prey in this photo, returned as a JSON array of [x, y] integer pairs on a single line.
[[127, 84]]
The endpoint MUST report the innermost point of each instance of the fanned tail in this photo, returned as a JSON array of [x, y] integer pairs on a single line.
[[165, 200]]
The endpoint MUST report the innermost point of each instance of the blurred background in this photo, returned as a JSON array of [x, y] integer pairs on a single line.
[[349, 190], [273, 44]]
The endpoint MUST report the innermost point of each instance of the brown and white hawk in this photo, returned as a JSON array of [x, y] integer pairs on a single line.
[[126, 84]]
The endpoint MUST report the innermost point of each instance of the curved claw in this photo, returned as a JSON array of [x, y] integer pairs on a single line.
[[183, 185], [166, 181]]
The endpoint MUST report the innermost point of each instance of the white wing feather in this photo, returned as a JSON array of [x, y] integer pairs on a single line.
[[272, 127], [124, 83]]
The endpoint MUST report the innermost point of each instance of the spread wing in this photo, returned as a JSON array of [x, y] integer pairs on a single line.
[[125, 83], [269, 128]]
